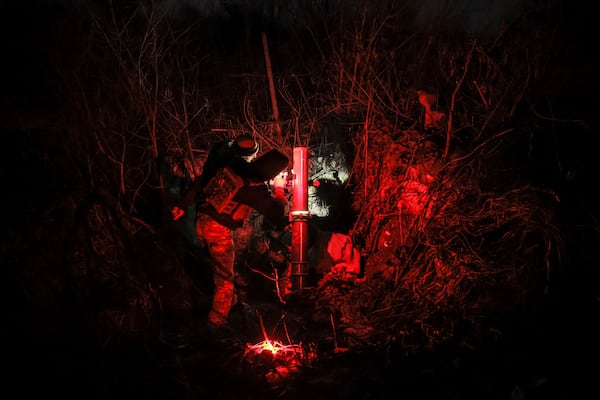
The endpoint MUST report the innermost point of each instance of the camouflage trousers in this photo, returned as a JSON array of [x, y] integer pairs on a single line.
[[222, 244]]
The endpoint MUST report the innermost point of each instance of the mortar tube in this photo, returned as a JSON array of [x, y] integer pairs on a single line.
[[299, 218]]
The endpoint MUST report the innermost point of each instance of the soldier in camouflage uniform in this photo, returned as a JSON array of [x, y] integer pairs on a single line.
[[231, 186]]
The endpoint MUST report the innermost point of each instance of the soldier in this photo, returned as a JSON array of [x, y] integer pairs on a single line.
[[231, 186]]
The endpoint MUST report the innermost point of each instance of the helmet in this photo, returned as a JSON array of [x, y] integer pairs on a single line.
[[246, 145]]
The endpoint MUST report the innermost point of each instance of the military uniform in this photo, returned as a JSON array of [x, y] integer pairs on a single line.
[[226, 193]]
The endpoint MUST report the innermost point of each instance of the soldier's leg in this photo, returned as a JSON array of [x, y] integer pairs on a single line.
[[241, 239], [220, 246]]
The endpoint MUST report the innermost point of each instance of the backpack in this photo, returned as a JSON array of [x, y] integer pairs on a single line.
[[221, 188], [220, 191]]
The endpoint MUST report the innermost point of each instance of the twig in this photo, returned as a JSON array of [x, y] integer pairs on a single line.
[[366, 176], [271, 278], [262, 327], [264, 275], [453, 99], [335, 343], [277, 287], [271, 83]]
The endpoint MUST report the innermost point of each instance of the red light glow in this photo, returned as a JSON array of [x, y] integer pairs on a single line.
[[275, 347]]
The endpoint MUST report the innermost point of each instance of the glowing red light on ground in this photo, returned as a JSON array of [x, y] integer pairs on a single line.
[[274, 347], [277, 362]]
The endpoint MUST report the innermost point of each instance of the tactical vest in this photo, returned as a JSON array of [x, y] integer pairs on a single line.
[[220, 191]]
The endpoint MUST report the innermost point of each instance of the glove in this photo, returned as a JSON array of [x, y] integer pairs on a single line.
[[280, 181], [279, 184], [177, 213]]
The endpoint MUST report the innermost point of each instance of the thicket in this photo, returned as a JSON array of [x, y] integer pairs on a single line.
[[136, 84]]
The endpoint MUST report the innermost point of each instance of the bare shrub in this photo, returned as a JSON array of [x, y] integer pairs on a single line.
[[141, 87]]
